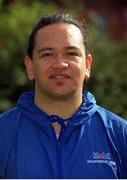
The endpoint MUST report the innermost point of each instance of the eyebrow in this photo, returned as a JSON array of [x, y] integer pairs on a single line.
[[72, 48], [44, 49], [51, 49]]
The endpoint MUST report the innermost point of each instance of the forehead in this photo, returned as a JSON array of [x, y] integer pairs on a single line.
[[59, 33]]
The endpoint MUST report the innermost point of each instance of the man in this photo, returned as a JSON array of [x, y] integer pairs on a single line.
[[57, 130]]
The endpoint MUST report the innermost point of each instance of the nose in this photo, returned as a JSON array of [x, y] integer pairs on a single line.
[[60, 63]]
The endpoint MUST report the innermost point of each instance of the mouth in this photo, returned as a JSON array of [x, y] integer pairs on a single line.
[[59, 76]]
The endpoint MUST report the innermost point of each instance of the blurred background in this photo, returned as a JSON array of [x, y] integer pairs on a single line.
[[107, 23]]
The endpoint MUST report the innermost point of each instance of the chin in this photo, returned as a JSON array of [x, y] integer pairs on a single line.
[[62, 96]]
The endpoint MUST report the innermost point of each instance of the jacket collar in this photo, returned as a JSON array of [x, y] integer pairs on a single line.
[[42, 119]]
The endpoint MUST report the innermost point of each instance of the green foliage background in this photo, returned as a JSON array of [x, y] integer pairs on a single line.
[[108, 79]]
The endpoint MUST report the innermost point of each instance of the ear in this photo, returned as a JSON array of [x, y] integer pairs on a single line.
[[29, 67], [88, 66]]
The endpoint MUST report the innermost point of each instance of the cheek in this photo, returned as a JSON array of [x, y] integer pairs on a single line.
[[37, 68], [37, 71], [40, 72], [80, 70]]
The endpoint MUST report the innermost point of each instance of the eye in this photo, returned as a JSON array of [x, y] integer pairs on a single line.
[[73, 53], [46, 54]]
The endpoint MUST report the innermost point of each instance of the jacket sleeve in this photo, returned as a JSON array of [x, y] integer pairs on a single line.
[[8, 128]]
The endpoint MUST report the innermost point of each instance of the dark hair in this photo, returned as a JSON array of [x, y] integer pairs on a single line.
[[56, 18]]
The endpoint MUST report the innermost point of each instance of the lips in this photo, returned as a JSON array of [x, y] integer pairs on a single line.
[[60, 76]]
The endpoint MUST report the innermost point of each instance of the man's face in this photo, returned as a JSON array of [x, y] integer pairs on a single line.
[[59, 64]]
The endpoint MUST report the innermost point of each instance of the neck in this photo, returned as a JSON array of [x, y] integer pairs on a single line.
[[63, 108]]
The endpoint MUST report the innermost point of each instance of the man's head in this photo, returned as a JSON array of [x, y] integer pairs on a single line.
[[53, 19], [57, 58]]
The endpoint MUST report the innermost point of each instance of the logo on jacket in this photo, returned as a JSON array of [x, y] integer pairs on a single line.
[[101, 158], [98, 155]]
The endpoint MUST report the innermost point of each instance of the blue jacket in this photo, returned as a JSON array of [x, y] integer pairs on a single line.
[[92, 145]]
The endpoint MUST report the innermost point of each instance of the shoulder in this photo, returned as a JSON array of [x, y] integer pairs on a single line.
[[111, 118], [9, 119], [9, 114], [115, 126]]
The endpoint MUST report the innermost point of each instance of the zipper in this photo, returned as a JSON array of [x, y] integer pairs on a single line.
[[59, 157], [59, 161], [60, 174]]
